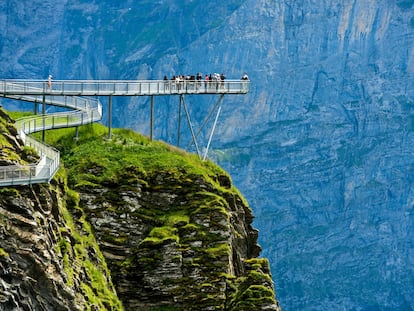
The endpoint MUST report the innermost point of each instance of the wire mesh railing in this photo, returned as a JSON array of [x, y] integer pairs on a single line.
[[83, 111], [124, 87]]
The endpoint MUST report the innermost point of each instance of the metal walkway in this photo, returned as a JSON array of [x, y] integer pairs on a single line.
[[122, 87], [83, 110]]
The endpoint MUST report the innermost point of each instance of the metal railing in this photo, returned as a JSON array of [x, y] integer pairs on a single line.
[[123, 87], [85, 110]]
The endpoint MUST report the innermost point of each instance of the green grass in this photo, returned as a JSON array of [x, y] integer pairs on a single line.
[[126, 158], [19, 114]]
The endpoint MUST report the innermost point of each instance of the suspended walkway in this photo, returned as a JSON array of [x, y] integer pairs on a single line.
[[121, 87], [84, 110]]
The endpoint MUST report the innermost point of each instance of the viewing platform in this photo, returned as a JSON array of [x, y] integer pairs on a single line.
[[122, 87], [86, 109]]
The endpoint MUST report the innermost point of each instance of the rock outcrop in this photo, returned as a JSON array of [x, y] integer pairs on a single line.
[[147, 227], [46, 260], [180, 242]]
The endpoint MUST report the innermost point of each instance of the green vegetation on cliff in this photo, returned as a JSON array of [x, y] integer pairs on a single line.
[[172, 231], [126, 158], [11, 152], [80, 251]]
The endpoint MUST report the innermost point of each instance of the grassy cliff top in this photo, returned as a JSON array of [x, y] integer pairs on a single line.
[[125, 158]]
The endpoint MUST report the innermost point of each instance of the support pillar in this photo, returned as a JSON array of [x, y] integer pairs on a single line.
[[109, 116], [152, 117], [179, 121], [43, 117]]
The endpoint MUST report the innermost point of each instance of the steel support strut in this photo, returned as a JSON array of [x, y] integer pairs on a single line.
[[217, 106], [190, 124]]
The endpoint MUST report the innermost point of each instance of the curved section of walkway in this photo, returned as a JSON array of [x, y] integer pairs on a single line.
[[80, 111]]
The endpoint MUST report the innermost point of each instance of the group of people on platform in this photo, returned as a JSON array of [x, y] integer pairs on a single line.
[[211, 81]]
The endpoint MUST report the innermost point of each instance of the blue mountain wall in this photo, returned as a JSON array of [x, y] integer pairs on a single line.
[[322, 147]]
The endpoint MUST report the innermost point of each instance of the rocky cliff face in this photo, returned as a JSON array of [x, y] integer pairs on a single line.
[[44, 262], [179, 242], [142, 239]]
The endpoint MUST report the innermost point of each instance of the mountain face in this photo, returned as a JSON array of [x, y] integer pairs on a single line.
[[322, 145]]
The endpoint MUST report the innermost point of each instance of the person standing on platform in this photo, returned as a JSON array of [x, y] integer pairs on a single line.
[[244, 79], [49, 82], [199, 77], [222, 77], [166, 83]]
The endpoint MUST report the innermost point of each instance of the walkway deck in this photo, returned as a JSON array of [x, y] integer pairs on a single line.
[[121, 87], [84, 110]]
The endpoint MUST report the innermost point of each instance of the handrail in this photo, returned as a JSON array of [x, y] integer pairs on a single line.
[[123, 87], [85, 110]]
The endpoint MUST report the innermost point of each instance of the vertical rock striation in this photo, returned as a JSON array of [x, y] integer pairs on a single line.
[[44, 264]]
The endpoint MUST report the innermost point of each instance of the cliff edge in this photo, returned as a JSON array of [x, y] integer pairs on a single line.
[[128, 224]]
